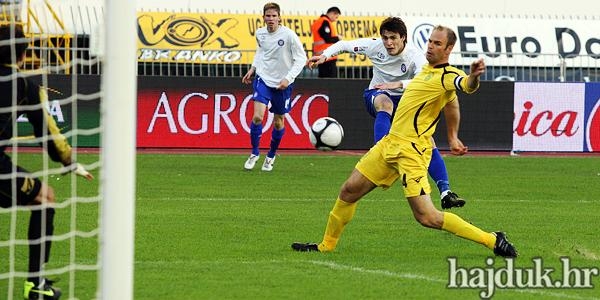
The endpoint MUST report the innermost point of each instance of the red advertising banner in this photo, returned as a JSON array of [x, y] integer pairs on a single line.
[[549, 116], [181, 117]]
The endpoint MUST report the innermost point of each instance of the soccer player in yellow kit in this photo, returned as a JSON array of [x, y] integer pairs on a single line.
[[405, 152]]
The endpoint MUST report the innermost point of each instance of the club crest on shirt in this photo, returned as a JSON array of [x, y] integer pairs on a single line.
[[280, 43]]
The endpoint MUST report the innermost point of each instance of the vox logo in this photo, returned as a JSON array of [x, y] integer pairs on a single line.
[[183, 30]]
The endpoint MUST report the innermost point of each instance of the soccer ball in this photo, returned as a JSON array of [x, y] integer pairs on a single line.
[[326, 134]]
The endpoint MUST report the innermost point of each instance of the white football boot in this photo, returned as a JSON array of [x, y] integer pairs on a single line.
[[251, 161], [268, 164]]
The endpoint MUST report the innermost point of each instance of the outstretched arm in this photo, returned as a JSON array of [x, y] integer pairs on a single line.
[[314, 61], [477, 68], [44, 125], [358, 46]]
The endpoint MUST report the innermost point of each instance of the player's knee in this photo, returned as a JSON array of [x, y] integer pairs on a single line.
[[278, 123], [429, 220], [257, 119], [384, 104], [45, 195], [348, 192]]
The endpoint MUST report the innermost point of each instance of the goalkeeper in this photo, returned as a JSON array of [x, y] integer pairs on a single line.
[[19, 95]]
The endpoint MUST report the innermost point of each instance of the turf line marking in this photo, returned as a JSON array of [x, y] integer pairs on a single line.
[[332, 200], [337, 266], [551, 294]]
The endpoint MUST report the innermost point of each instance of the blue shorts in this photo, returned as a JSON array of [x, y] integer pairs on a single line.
[[279, 99], [369, 97]]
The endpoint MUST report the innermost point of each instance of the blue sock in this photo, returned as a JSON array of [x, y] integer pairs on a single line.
[[437, 171], [255, 133], [383, 122], [276, 136]]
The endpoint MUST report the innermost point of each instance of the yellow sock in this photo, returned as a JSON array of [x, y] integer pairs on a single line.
[[460, 227], [339, 216]]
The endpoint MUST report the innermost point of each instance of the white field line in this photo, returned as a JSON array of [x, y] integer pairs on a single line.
[[218, 199], [387, 273], [378, 272]]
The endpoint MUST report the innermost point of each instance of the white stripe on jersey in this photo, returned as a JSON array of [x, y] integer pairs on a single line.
[[457, 81]]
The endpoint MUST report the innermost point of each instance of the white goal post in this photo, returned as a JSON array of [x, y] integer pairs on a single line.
[[118, 111]]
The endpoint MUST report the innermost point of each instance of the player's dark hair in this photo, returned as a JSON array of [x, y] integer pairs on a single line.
[[6, 34], [272, 5], [394, 24], [450, 35], [334, 9]]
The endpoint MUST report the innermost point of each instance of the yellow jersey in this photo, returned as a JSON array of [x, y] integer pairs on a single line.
[[424, 98]]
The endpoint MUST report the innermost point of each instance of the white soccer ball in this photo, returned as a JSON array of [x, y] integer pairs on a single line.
[[326, 134]]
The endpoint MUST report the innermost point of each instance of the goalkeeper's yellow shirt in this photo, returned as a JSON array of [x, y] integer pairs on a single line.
[[424, 98]]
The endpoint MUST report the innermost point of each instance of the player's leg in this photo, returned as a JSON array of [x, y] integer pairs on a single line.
[[379, 105], [355, 187], [371, 171], [413, 166], [256, 125], [438, 172], [280, 105], [276, 136], [260, 102], [37, 195], [383, 118], [427, 215], [41, 227]]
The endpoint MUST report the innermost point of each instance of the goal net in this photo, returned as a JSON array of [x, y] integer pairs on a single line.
[[91, 252]]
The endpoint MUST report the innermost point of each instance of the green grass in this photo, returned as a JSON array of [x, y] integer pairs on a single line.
[[206, 229]]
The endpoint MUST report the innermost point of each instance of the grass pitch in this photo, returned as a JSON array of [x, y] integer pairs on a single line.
[[207, 229]]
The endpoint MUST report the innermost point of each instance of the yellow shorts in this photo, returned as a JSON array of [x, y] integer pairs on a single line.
[[392, 158]]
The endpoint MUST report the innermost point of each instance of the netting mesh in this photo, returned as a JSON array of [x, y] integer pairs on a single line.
[[75, 108]]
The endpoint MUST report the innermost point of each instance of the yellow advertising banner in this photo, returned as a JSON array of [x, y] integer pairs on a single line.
[[207, 38]]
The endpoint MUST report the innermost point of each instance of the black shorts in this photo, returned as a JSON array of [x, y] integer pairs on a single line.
[[27, 187]]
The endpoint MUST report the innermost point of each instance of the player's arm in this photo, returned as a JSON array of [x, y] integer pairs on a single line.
[[44, 125], [477, 68], [452, 116], [299, 61], [358, 46], [247, 79]]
